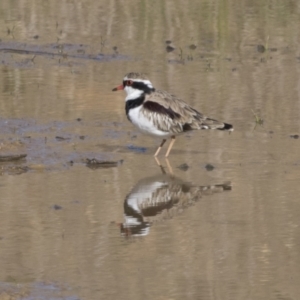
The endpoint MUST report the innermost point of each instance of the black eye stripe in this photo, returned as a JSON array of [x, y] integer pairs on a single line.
[[127, 82], [138, 85]]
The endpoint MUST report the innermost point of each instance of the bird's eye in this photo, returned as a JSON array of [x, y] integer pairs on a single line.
[[129, 82]]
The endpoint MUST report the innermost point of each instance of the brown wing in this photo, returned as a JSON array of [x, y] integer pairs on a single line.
[[172, 114]]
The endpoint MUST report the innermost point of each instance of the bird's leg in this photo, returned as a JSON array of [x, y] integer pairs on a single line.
[[159, 148], [160, 165], [171, 145], [169, 167]]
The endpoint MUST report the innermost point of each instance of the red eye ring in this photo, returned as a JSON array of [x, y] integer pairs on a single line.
[[129, 82]]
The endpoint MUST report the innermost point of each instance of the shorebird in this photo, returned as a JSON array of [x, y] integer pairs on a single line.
[[160, 113]]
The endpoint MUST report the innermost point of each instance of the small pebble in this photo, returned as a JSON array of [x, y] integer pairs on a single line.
[[183, 167], [261, 48], [209, 167], [294, 136], [170, 48], [56, 207]]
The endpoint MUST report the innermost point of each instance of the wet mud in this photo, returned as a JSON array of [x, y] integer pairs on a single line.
[[41, 290], [18, 54], [27, 145], [85, 210]]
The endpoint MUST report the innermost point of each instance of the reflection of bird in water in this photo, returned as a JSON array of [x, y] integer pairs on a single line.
[[159, 198]]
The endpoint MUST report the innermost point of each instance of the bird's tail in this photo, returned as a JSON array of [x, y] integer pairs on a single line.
[[227, 127], [214, 124]]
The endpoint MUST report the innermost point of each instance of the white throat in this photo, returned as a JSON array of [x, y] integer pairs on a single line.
[[132, 93]]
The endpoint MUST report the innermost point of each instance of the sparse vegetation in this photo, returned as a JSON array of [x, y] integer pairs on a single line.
[[258, 119]]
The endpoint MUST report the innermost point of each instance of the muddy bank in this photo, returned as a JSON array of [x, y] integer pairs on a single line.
[[23, 54], [26, 145], [41, 290]]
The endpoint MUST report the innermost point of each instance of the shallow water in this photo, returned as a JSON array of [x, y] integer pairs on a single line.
[[132, 230]]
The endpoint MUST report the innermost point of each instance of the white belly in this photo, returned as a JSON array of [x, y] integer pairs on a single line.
[[144, 124]]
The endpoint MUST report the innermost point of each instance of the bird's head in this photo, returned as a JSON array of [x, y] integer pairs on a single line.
[[135, 84]]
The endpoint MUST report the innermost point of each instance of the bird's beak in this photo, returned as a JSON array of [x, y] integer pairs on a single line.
[[118, 88]]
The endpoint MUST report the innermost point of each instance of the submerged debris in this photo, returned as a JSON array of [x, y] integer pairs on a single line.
[[61, 138], [13, 170], [175, 61], [11, 157], [137, 149], [96, 163]]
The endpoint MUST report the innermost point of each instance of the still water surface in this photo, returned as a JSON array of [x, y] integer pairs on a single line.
[[134, 231]]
